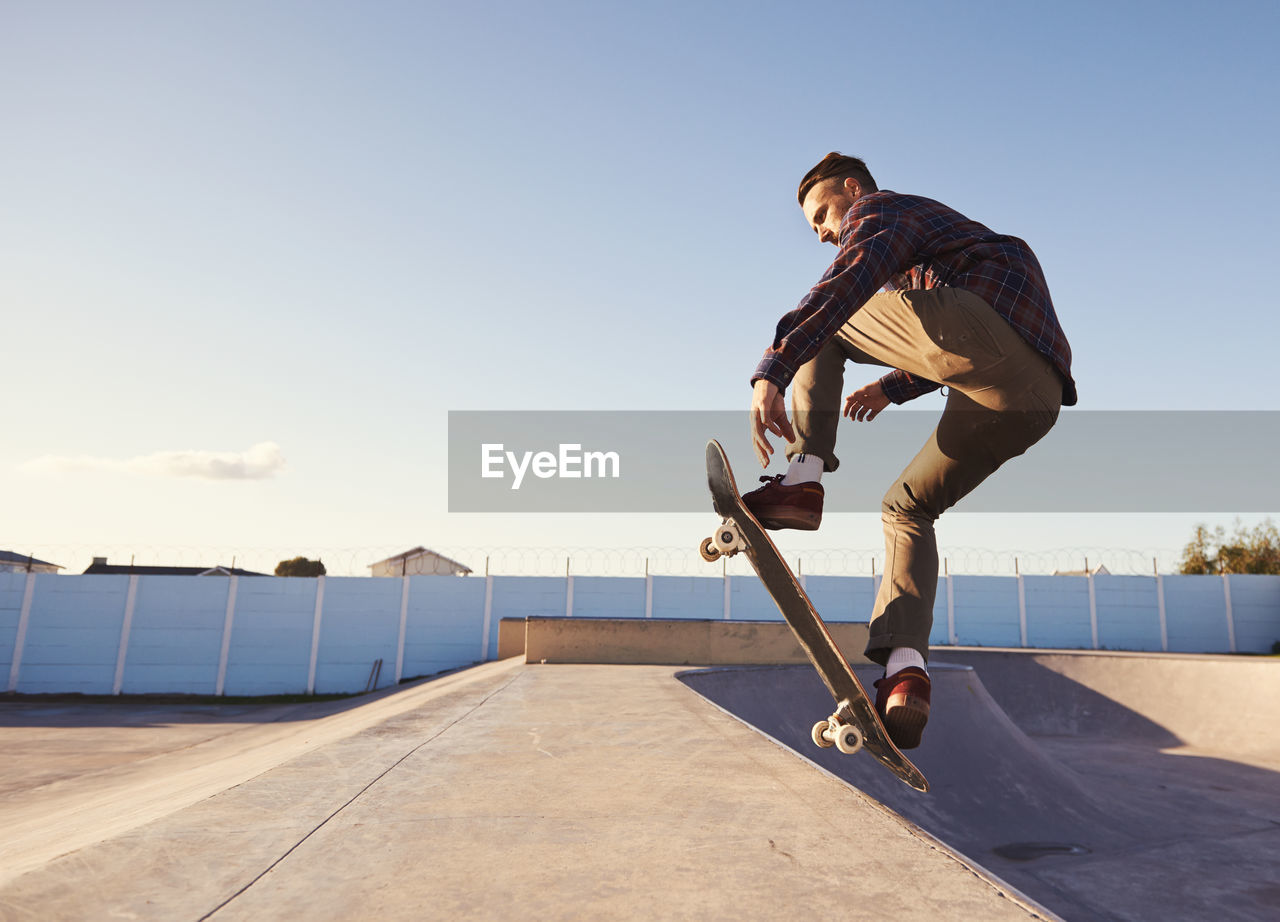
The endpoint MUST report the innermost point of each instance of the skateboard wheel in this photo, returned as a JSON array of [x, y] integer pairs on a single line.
[[822, 734], [708, 550], [726, 540], [848, 739]]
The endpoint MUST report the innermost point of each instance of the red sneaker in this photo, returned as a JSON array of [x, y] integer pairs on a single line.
[[902, 700], [798, 505]]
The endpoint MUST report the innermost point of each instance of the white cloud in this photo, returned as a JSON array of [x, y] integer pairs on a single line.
[[260, 462]]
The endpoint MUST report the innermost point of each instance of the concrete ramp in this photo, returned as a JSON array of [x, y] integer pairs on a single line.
[[1227, 705], [1124, 821], [990, 784]]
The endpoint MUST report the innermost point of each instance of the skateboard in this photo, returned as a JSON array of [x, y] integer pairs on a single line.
[[855, 724]]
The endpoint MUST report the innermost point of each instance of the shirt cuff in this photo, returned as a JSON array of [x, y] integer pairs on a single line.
[[900, 387], [773, 368]]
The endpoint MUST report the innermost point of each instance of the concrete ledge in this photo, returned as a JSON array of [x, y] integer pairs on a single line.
[[510, 638], [676, 642]]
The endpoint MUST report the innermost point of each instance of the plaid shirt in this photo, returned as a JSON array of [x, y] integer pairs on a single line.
[[896, 242]]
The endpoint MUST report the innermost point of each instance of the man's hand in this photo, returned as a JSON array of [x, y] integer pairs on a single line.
[[768, 414], [866, 402]]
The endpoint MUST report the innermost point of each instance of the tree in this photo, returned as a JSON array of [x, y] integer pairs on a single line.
[[300, 566], [1255, 550], [1197, 556]]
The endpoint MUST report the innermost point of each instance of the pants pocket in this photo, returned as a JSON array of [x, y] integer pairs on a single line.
[[977, 319]]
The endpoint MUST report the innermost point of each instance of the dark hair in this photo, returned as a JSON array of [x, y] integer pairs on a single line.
[[833, 165]]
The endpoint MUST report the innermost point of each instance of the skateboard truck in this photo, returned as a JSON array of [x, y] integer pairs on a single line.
[[839, 730], [726, 542]]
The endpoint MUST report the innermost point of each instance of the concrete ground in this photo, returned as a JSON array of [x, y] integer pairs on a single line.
[[505, 791], [1086, 785]]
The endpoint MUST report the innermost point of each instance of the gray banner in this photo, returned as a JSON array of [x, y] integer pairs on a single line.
[[652, 461]]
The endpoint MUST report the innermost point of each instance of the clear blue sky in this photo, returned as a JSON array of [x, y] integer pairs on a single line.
[[324, 225]]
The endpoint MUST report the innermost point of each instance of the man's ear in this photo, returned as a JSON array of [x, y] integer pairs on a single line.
[[852, 186]]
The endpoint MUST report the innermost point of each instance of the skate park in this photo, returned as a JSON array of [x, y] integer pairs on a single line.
[[296, 287], [622, 768]]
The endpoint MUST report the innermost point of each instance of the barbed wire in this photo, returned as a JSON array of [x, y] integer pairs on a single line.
[[601, 561]]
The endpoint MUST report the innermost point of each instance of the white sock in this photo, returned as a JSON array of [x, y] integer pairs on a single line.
[[902, 657], [804, 469]]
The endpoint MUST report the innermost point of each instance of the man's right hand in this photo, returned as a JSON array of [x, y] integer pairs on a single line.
[[768, 414]]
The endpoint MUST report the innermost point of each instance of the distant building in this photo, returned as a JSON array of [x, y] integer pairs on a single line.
[[1099, 570], [100, 567], [418, 562], [21, 563]]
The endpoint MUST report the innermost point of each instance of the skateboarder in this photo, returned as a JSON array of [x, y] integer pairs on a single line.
[[940, 300]]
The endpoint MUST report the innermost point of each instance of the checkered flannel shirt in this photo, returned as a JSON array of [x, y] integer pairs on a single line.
[[891, 242]]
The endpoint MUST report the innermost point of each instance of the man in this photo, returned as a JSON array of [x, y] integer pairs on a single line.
[[961, 307]]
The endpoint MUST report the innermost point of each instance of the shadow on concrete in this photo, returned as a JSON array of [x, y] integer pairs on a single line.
[[1063, 792]]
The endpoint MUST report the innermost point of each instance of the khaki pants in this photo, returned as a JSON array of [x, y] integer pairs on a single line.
[[1004, 396]]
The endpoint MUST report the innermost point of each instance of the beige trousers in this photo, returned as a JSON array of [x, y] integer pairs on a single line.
[[1004, 396]]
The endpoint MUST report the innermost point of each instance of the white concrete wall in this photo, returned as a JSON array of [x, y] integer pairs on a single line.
[[264, 635]]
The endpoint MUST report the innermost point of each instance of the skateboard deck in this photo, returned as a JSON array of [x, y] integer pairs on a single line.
[[855, 724]]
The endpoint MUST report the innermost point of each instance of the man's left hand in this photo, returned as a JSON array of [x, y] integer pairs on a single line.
[[768, 414], [866, 402]]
